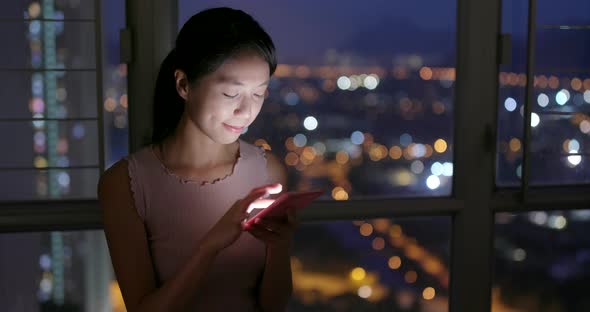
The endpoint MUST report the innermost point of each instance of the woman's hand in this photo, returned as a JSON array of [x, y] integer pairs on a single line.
[[275, 232], [229, 227]]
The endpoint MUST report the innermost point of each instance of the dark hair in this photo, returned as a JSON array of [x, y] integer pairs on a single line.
[[205, 41]]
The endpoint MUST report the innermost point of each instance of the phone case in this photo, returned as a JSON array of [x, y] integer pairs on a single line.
[[279, 207]]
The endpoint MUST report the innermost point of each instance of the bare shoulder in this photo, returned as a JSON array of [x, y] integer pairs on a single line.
[[126, 235], [114, 178], [277, 171]]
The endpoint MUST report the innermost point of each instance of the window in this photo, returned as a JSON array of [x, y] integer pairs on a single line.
[[540, 255], [426, 76], [51, 78], [63, 118], [560, 100], [57, 271]]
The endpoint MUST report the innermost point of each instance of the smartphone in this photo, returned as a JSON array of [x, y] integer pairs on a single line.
[[278, 208]]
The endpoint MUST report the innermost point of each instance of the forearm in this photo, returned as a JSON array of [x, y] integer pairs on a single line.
[[276, 285], [179, 292]]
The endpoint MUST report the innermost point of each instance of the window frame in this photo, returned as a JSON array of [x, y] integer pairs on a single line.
[[474, 201]]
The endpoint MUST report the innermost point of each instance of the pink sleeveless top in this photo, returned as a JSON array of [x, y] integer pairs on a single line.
[[178, 212]]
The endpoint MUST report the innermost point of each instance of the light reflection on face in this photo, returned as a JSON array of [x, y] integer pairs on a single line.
[[228, 100]]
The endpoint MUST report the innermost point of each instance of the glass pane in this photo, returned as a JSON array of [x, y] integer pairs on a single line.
[[375, 265], [542, 261], [116, 129], [52, 45], [48, 184], [362, 101], [561, 99], [51, 9], [25, 93], [49, 144], [57, 271]]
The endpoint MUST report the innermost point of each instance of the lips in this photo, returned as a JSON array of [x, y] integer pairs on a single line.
[[233, 128]]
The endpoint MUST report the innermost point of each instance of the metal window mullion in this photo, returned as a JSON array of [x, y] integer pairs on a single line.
[[45, 69], [65, 214], [57, 20], [49, 215], [478, 30], [47, 119], [380, 208], [99, 83], [15, 168], [526, 157]]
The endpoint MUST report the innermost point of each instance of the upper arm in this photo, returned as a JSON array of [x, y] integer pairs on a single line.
[[126, 236], [276, 170]]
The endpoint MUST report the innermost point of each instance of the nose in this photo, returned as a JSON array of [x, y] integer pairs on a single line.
[[244, 109]]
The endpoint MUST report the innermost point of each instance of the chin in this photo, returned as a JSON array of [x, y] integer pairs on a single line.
[[226, 139]]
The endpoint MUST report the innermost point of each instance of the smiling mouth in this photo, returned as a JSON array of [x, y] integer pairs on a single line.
[[233, 128]]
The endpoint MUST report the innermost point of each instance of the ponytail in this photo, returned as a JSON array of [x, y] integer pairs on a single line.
[[168, 105]]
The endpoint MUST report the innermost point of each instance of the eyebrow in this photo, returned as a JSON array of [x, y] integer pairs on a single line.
[[236, 82]]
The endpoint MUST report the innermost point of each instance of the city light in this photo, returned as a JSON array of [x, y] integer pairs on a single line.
[[428, 293], [535, 120], [395, 152], [365, 291], [440, 146], [300, 140], [448, 169], [405, 139], [291, 98], [358, 274], [371, 82], [436, 169], [310, 123], [417, 167], [557, 222], [538, 218], [433, 182], [574, 160], [510, 104], [543, 100], [562, 97], [519, 255], [320, 148], [394, 262], [366, 229], [343, 83], [357, 137], [573, 146]]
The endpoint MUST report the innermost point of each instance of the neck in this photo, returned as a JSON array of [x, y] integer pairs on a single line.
[[189, 147]]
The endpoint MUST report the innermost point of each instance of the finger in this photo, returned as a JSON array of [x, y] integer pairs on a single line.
[[260, 204], [263, 234], [273, 188], [274, 227], [248, 200]]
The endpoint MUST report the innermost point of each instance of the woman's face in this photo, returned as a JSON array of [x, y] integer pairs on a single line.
[[228, 100]]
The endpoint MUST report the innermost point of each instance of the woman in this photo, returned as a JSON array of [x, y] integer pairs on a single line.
[[173, 210]]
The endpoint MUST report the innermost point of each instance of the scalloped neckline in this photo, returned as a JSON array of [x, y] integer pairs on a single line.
[[196, 179]]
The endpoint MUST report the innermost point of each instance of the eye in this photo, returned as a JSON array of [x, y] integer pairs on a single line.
[[259, 95], [230, 96]]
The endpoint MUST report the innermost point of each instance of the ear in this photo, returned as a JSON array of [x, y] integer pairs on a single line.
[[182, 85]]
